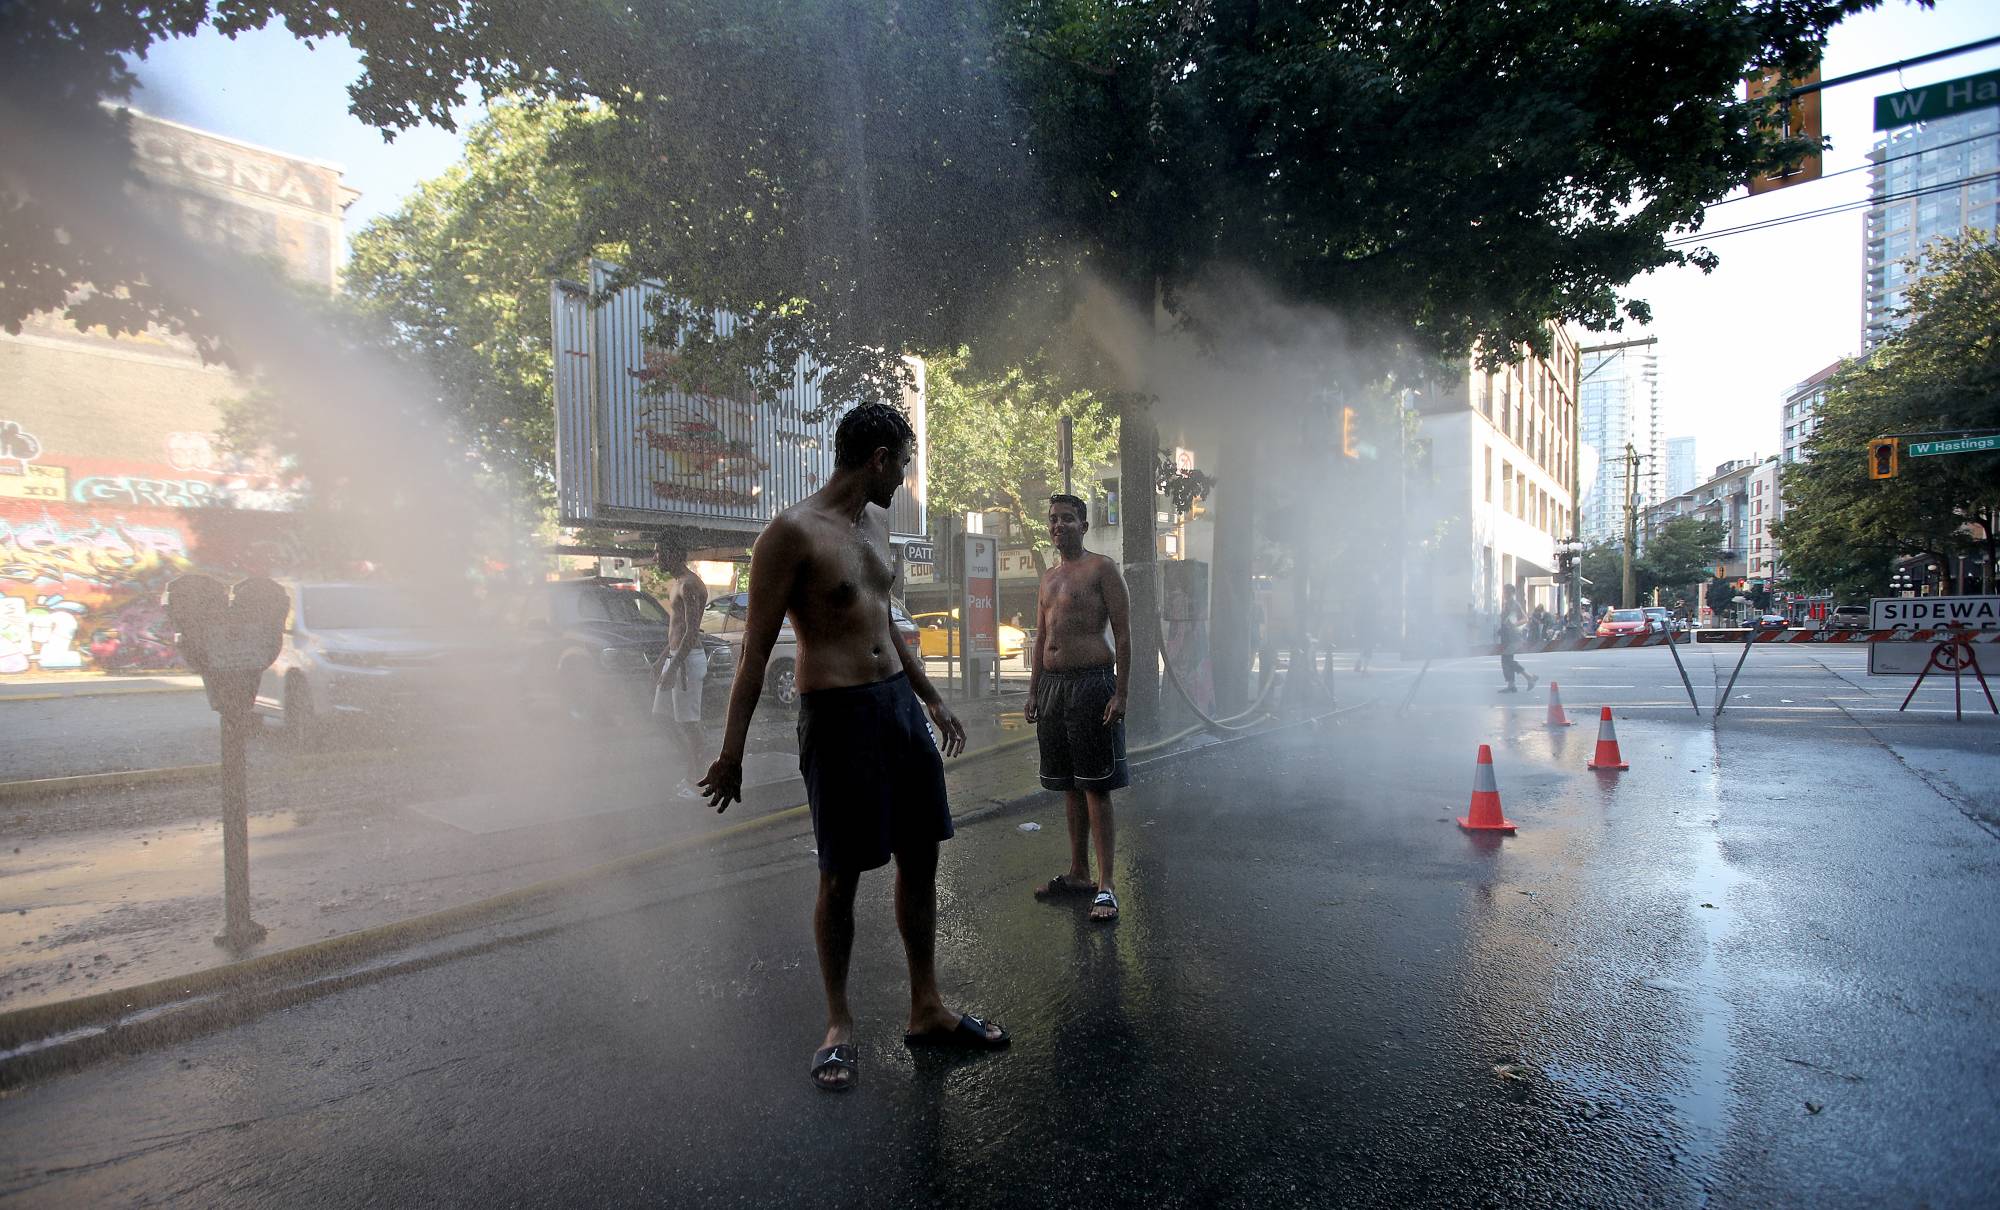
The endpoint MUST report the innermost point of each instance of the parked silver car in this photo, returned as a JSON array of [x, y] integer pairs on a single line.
[[362, 649]]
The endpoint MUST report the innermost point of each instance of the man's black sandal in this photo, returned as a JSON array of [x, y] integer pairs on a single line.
[[838, 1056], [968, 1034]]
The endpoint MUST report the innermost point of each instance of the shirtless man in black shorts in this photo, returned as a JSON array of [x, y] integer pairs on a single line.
[[1076, 699], [873, 774]]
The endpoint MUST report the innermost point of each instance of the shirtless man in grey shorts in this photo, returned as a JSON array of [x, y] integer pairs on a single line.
[[873, 774], [1076, 699]]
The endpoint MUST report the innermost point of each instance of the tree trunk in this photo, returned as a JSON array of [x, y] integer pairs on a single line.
[[1138, 446], [1229, 584]]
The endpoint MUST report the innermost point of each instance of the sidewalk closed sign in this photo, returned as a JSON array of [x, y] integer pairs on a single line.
[[1928, 613], [1922, 613]]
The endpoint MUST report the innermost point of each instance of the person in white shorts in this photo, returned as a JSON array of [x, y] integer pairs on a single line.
[[684, 665]]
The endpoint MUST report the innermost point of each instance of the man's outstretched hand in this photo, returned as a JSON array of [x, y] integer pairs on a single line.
[[951, 732], [1114, 710], [724, 783]]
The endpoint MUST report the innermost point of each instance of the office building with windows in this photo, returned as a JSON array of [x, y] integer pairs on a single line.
[[1680, 465], [1926, 181], [1502, 451], [1800, 414]]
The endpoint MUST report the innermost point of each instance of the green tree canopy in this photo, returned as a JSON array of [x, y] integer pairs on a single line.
[[1604, 568], [995, 440], [459, 277], [1684, 552], [869, 177], [1841, 530]]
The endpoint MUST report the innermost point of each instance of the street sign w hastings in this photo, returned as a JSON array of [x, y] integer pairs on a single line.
[[1960, 445], [1937, 100]]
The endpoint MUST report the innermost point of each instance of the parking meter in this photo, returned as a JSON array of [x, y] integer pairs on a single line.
[[230, 639]]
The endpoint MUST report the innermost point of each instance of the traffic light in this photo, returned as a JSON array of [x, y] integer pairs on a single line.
[[1347, 446], [1882, 458]]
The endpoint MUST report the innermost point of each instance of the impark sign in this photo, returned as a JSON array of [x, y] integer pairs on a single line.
[[1937, 100]]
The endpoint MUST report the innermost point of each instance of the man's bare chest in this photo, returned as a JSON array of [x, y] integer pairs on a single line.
[[847, 567]]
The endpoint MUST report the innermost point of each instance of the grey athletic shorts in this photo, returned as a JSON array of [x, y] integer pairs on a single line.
[[1078, 751]]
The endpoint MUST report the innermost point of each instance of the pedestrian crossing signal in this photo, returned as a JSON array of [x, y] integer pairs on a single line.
[[1882, 458]]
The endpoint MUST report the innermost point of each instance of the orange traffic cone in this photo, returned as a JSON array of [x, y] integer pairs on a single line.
[[1556, 716], [1484, 814], [1607, 745]]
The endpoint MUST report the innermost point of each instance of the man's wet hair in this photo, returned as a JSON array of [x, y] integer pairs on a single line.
[[1075, 502], [869, 427], [670, 551]]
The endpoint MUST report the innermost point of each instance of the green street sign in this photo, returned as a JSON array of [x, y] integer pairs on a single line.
[[1961, 445], [1937, 100]]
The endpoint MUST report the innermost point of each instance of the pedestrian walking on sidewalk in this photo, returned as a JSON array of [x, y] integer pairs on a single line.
[[874, 778], [1512, 628], [1076, 699], [683, 665]]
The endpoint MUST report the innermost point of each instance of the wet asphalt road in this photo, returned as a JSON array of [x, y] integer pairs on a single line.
[[1758, 969]]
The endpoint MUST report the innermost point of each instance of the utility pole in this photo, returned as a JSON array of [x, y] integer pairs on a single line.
[[1630, 596]]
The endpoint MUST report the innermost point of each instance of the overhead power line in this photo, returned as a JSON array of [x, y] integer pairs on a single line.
[[1908, 155], [1828, 211]]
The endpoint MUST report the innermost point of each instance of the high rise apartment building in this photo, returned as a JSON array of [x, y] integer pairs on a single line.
[[1618, 400], [1926, 181]]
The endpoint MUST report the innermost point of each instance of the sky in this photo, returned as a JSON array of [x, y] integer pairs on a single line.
[[1784, 303], [1787, 301]]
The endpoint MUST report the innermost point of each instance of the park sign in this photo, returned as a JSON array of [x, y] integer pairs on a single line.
[[1958, 445], [1935, 101]]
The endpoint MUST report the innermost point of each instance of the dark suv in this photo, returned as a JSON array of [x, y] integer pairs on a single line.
[[592, 647]]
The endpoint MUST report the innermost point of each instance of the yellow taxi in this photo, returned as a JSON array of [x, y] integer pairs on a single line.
[[937, 636]]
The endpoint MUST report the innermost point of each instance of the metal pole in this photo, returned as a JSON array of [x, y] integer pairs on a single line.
[[239, 931], [1066, 452], [1972, 657], [1629, 596], [1724, 699], [1673, 649], [1414, 685]]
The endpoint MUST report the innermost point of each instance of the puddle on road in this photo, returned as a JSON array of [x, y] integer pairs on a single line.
[[1703, 1101]]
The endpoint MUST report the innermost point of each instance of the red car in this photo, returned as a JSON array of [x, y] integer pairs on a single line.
[[1623, 621]]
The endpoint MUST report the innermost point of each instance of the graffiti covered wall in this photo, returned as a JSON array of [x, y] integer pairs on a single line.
[[81, 587], [114, 477]]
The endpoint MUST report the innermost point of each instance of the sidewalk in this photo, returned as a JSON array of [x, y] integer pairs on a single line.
[[121, 887]]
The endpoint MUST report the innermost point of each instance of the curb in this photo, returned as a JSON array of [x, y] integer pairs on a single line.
[[104, 692], [49, 1037], [77, 783], [53, 787]]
